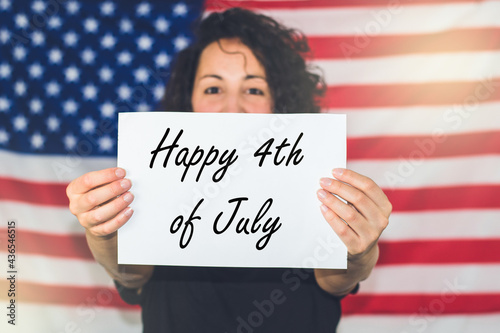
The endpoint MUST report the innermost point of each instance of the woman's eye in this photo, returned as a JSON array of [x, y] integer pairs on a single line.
[[212, 90], [255, 91]]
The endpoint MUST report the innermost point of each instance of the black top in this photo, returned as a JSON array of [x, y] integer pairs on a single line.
[[239, 300]]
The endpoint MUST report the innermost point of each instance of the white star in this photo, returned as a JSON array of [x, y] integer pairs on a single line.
[[126, 26], [19, 53], [4, 36], [105, 143], [55, 22], [35, 70], [180, 9], [21, 21], [72, 7], [91, 25], [20, 88], [108, 110], [37, 141], [106, 74], [5, 71], [89, 91], [72, 74], [141, 75], [38, 6], [88, 125], [158, 92], [4, 136], [108, 41], [124, 58], [70, 106], [144, 43], [53, 123], [36, 105], [181, 42], [162, 60], [55, 56], [4, 4], [124, 92], [70, 38], [143, 9], [143, 107], [20, 123], [4, 104], [69, 141], [107, 8], [88, 56], [53, 89], [162, 25], [37, 38]]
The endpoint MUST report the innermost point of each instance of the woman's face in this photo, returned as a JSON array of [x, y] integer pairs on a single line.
[[229, 78]]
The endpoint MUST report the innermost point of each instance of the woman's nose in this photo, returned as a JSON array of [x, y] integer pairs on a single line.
[[233, 104]]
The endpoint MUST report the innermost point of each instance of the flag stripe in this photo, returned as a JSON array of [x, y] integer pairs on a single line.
[[48, 194], [363, 46], [406, 94]]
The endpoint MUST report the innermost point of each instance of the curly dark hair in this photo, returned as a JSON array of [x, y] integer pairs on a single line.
[[294, 88]]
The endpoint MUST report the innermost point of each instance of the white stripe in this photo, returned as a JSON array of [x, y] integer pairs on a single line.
[[469, 116], [50, 168], [432, 279], [414, 68], [415, 172], [53, 220], [383, 20], [422, 322], [57, 271], [463, 224], [87, 317]]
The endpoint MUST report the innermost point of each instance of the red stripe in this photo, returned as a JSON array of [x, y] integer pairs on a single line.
[[218, 5], [416, 148], [465, 94], [439, 252], [445, 198], [362, 45], [29, 292], [448, 302], [47, 194]]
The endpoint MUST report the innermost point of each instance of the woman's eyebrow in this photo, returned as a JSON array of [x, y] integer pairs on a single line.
[[249, 77], [212, 76]]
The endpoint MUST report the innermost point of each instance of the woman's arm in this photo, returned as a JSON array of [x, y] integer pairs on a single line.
[[359, 222]]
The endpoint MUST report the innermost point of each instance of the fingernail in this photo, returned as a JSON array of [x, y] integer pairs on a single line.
[[338, 172], [128, 212], [323, 208], [125, 184], [128, 197], [120, 173], [322, 194], [325, 181]]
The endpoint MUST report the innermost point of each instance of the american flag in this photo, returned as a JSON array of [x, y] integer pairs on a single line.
[[420, 84]]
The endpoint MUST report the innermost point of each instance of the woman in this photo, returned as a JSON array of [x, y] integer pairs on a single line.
[[239, 62]]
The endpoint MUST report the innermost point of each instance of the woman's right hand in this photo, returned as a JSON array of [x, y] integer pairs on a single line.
[[100, 200]]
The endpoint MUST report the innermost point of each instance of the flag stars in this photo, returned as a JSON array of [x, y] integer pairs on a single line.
[[143, 9], [72, 74], [108, 110], [89, 92], [142, 107], [36, 106], [180, 9], [106, 74], [141, 75], [162, 25], [144, 43], [124, 58], [73, 7], [21, 21], [105, 143], [124, 92], [38, 6], [37, 141], [54, 22], [4, 104], [37, 38], [162, 60], [20, 88], [19, 53], [20, 123], [35, 71], [69, 142], [88, 56], [126, 26], [5, 4], [91, 25], [70, 39], [181, 42], [70, 107], [5, 71], [53, 124], [55, 56], [108, 8], [53, 89], [108, 41], [4, 36], [4, 136], [158, 92], [88, 125]]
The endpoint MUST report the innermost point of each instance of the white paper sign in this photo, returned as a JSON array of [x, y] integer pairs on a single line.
[[235, 190]]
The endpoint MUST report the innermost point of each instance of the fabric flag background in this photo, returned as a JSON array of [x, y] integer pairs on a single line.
[[420, 84]]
